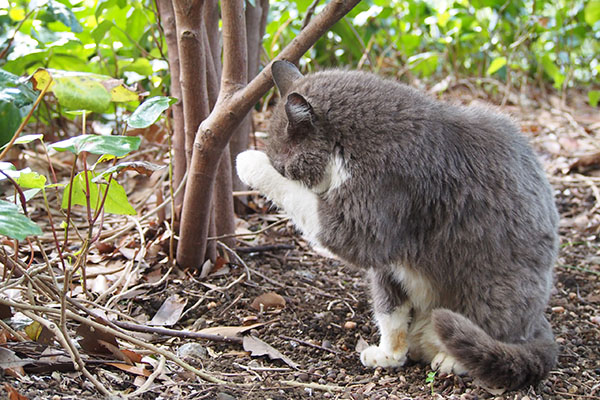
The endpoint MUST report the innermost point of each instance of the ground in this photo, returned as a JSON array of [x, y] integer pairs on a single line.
[[324, 312]]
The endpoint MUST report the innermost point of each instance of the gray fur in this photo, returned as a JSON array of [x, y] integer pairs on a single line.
[[454, 193]]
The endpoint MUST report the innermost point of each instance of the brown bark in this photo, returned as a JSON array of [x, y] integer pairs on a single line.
[[167, 19], [192, 61], [234, 101], [256, 19]]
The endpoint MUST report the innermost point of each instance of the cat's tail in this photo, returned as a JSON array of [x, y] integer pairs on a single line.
[[496, 364]]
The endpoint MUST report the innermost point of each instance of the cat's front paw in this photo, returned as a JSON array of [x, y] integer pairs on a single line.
[[252, 166], [376, 356]]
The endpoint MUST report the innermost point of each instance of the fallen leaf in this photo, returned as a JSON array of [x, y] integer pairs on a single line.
[[91, 340], [39, 333], [361, 344], [13, 394], [586, 163], [169, 312], [116, 352], [257, 347], [132, 355], [5, 311], [229, 331], [105, 248], [267, 301], [132, 369], [9, 359]]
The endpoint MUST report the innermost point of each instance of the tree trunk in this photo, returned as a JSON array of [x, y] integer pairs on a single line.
[[167, 21], [256, 21], [234, 101]]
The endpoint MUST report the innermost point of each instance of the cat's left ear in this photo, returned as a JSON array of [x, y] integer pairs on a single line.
[[299, 112]]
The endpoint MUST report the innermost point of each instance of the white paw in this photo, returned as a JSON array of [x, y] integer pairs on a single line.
[[252, 166], [446, 364], [375, 356]]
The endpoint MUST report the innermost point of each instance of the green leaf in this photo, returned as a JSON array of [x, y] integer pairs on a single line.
[[149, 111], [31, 180], [6, 166], [424, 63], [61, 13], [552, 70], [117, 146], [116, 200], [14, 224], [496, 64], [594, 97], [592, 12], [100, 30], [10, 119], [8, 78], [81, 93], [24, 139], [81, 90]]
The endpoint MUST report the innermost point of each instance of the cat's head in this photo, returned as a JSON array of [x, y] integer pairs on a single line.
[[299, 145]]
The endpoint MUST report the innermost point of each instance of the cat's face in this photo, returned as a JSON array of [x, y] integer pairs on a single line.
[[299, 146]]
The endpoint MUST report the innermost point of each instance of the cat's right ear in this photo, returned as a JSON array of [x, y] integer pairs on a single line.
[[299, 113], [284, 74]]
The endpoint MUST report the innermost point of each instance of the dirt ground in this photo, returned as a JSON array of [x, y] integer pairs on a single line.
[[325, 314]]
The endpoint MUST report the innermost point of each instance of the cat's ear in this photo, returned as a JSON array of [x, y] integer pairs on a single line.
[[284, 74], [299, 112]]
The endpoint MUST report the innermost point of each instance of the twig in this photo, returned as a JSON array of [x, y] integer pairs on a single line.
[[222, 289], [177, 333], [317, 386], [309, 13], [261, 249], [127, 337], [281, 221], [127, 275], [580, 396], [159, 370], [140, 286], [241, 193], [237, 257], [111, 235], [64, 341]]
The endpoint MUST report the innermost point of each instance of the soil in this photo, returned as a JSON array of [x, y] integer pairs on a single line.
[[327, 312]]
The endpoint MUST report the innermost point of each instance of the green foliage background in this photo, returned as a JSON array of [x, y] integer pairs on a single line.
[[521, 42]]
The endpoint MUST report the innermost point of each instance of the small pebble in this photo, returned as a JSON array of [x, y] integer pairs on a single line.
[[211, 305], [350, 325], [558, 309], [192, 350], [303, 377], [326, 344], [572, 296], [596, 320]]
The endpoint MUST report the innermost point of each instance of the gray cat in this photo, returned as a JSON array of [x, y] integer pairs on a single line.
[[446, 206]]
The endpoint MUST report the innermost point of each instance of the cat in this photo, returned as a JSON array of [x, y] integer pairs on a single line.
[[446, 206]]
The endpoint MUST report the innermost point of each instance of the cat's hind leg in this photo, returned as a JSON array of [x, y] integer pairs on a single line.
[[392, 311], [427, 346]]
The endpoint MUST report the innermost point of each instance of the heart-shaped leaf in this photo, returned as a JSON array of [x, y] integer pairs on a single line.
[[149, 111], [116, 200], [14, 224], [117, 146]]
